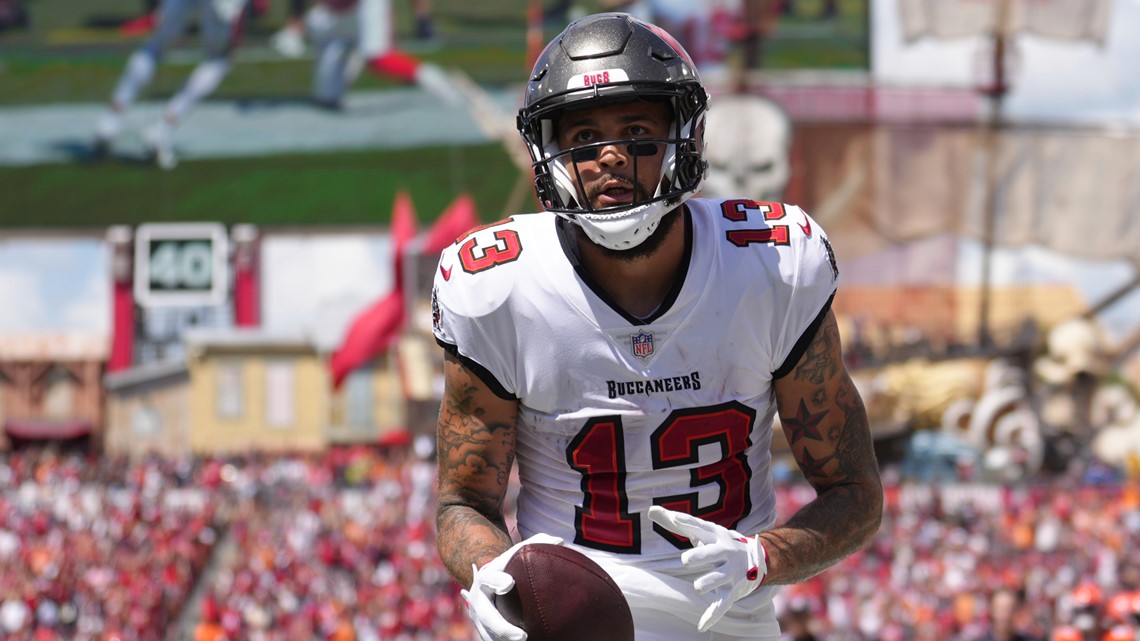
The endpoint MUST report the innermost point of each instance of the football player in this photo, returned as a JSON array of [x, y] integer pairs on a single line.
[[349, 36], [630, 346], [219, 24]]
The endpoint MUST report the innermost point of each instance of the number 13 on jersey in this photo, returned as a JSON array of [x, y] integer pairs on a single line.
[[598, 453]]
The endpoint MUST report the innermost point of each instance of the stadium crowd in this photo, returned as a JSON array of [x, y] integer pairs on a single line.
[[94, 549], [340, 546], [1067, 551]]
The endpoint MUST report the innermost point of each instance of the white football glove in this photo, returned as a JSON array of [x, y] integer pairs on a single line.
[[731, 565], [492, 579], [289, 41]]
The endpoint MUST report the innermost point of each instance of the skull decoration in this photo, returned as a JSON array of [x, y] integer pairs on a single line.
[[748, 140], [1075, 346]]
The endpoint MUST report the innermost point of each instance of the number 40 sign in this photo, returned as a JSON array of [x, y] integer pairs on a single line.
[[181, 264]]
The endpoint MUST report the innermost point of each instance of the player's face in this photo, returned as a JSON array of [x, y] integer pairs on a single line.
[[615, 174]]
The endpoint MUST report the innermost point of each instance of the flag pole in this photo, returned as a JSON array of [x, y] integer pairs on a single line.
[[994, 123]]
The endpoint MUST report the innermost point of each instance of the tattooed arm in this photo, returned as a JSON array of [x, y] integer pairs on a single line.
[[475, 440], [826, 426]]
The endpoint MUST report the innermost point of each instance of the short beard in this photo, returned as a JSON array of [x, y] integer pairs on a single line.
[[650, 245]]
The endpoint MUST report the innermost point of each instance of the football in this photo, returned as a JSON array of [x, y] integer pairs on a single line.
[[560, 594]]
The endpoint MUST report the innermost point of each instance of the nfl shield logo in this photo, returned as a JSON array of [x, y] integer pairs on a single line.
[[642, 344]]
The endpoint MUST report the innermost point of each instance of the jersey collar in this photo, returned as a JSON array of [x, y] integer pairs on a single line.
[[566, 238]]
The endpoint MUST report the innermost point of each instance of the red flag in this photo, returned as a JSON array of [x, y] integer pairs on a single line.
[[122, 326], [371, 333], [247, 277], [456, 220], [375, 329]]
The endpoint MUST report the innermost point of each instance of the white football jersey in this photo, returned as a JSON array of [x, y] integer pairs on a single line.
[[617, 414]]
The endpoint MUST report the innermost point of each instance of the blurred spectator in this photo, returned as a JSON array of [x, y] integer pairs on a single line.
[[13, 15], [145, 22], [349, 36], [425, 24], [799, 623], [1086, 610], [218, 20], [1006, 616]]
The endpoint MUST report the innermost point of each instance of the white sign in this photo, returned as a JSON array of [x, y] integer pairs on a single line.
[[181, 264]]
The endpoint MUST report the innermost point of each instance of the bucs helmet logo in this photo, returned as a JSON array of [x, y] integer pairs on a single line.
[[642, 344]]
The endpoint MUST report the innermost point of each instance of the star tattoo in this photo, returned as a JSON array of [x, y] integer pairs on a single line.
[[813, 467], [804, 425]]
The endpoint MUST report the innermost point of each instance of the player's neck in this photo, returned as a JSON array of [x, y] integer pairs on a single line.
[[637, 285]]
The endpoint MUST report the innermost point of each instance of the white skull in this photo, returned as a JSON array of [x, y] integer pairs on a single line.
[[748, 140], [1075, 346]]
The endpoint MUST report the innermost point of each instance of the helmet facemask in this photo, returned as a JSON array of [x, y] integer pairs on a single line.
[[557, 182]]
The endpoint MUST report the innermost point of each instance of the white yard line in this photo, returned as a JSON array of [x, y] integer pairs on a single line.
[[382, 119]]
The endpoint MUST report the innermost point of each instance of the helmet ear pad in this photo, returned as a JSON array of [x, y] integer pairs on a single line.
[[692, 166]]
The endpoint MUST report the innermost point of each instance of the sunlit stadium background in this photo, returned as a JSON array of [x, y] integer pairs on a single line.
[[217, 401]]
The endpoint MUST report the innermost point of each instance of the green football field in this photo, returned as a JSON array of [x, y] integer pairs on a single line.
[[344, 188], [72, 53]]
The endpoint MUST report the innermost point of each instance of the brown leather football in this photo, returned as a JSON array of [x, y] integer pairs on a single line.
[[561, 594]]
